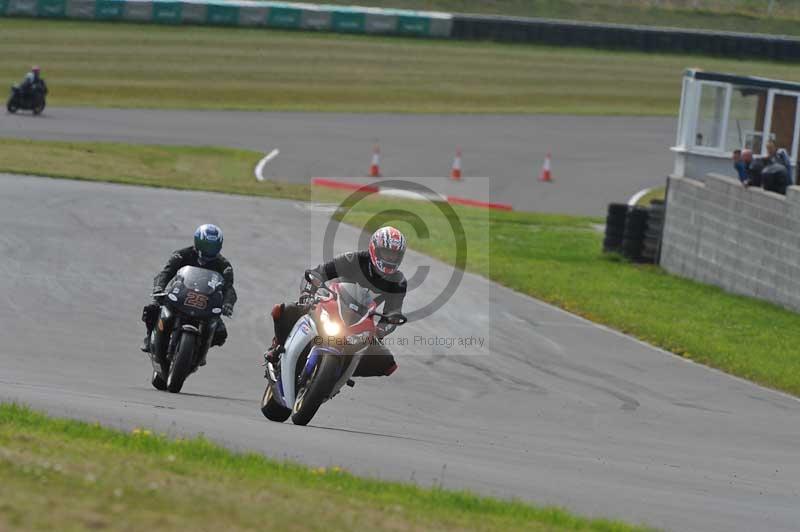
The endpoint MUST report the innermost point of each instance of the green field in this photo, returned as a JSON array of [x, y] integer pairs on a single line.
[[555, 258], [729, 15], [66, 475], [127, 65]]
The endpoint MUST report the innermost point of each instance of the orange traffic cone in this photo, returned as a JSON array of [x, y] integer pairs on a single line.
[[375, 167], [546, 174], [455, 172]]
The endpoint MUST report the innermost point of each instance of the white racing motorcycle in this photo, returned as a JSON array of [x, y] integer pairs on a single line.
[[322, 350]]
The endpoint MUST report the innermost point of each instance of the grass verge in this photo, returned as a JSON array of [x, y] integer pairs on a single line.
[[558, 259], [182, 167], [129, 65], [658, 193], [555, 258], [90, 477]]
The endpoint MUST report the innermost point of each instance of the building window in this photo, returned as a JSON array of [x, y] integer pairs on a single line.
[[684, 113], [710, 116], [746, 119]]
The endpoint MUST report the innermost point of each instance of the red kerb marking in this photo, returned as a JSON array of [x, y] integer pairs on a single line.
[[475, 203], [341, 185]]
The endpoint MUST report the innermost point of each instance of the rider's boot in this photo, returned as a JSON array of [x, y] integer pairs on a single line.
[[220, 335], [273, 354], [145, 347]]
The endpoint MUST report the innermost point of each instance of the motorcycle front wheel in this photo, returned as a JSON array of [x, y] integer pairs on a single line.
[[11, 106], [158, 382], [182, 363], [316, 389]]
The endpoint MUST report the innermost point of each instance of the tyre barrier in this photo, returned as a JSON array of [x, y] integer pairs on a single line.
[[615, 227], [635, 232], [633, 237], [651, 249]]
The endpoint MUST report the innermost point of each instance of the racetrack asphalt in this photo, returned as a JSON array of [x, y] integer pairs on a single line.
[[596, 160], [557, 411]]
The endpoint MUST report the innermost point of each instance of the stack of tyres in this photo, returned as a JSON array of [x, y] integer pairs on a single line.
[[652, 236], [615, 227], [633, 236]]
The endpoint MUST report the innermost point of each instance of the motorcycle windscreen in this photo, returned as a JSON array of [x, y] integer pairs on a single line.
[[200, 280], [354, 302]]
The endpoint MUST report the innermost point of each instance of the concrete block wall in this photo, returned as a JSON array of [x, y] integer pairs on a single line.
[[746, 241]]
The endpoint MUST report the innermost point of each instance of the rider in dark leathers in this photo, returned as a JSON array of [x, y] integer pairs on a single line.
[[32, 82], [205, 253], [376, 269]]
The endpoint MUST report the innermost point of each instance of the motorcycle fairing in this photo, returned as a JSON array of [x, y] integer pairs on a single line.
[[159, 338], [302, 334], [347, 373]]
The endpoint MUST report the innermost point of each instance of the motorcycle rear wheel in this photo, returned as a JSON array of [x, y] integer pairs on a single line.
[[271, 408], [11, 107], [182, 363], [316, 390]]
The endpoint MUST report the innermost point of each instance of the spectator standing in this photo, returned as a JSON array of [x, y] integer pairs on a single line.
[[754, 169], [747, 168], [776, 173], [783, 157], [740, 165]]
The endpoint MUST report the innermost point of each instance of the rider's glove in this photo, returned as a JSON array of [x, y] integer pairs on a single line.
[[157, 299], [305, 298], [384, 329], [227, 309]]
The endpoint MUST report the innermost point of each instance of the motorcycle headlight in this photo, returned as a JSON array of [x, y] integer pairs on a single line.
[[331, 328]]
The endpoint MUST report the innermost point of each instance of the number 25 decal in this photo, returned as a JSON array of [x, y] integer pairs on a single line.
[[193, 299]]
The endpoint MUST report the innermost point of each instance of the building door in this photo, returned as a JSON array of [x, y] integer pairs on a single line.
[[784, 121]]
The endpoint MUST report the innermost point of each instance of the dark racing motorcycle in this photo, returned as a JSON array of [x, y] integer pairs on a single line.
[[191, 306], [32, 100]]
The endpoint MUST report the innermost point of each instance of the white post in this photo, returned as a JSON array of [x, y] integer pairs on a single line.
[[767, 122]]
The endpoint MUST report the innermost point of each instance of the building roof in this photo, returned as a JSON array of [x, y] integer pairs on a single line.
[[750, 81]]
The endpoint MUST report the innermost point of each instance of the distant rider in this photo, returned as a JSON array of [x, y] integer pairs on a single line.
[[33, 82], [376, 269], [205, 253]]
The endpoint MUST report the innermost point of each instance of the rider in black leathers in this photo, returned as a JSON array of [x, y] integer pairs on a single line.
[[205, 253], [376, 269], [33, 82]]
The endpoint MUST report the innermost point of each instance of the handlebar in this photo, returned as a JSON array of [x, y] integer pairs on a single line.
[[392, 319]]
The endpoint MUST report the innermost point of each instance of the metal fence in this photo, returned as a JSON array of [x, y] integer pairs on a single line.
[[267, 14], [776, 8], [421, 24]]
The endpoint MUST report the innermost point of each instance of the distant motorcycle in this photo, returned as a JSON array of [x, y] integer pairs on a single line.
[[191, 306], [323, 349], [32, 100]]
